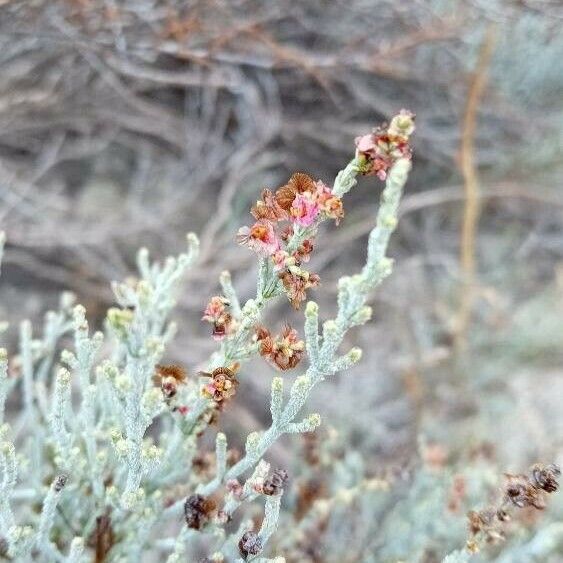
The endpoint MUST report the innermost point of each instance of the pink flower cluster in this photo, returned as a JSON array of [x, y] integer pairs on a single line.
[[380, 149], [300, 203], [307, 206]]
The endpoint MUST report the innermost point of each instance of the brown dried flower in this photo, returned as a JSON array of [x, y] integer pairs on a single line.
[[520, 491], [273, 484], [268, 208], [198, 511], [284, 351], [297, 184], [303, 253], [302, 182], [250, 544], [296, 282], [545, 476], [285, 196]]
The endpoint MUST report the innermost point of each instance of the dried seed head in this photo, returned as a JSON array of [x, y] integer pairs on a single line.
[[302, 182], [285, 196], [60, 482], [503, 515], [545, 477], [198, 510], [521, 492], [250, 544]]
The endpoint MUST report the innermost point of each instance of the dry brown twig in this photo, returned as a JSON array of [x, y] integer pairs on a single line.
[[471, 189]]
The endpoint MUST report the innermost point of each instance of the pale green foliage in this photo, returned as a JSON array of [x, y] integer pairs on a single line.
[[85, 418]]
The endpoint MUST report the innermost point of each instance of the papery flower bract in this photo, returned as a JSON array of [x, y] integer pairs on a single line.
[[261, 237], [333, 208], [304, 210]]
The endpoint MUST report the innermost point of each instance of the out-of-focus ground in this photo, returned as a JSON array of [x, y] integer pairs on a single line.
[[126, 124]]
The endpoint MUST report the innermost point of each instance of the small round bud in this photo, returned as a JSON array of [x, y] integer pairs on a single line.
[[314, 420], [355, 354], [311, 309], [63, 376], [252, 441]]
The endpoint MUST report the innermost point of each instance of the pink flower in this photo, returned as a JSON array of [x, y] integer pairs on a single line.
[[216, 313], [215, 308], [261, 238], [366, 143], [304, 209]]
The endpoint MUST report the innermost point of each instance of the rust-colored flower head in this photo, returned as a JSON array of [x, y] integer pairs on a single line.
[[302, 182], [168, 378], [298, 183], [198, 511], [274, 483], [520, 491], [261, 333], [484, 523], [285, 196], [250, 544], [223, 383]]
